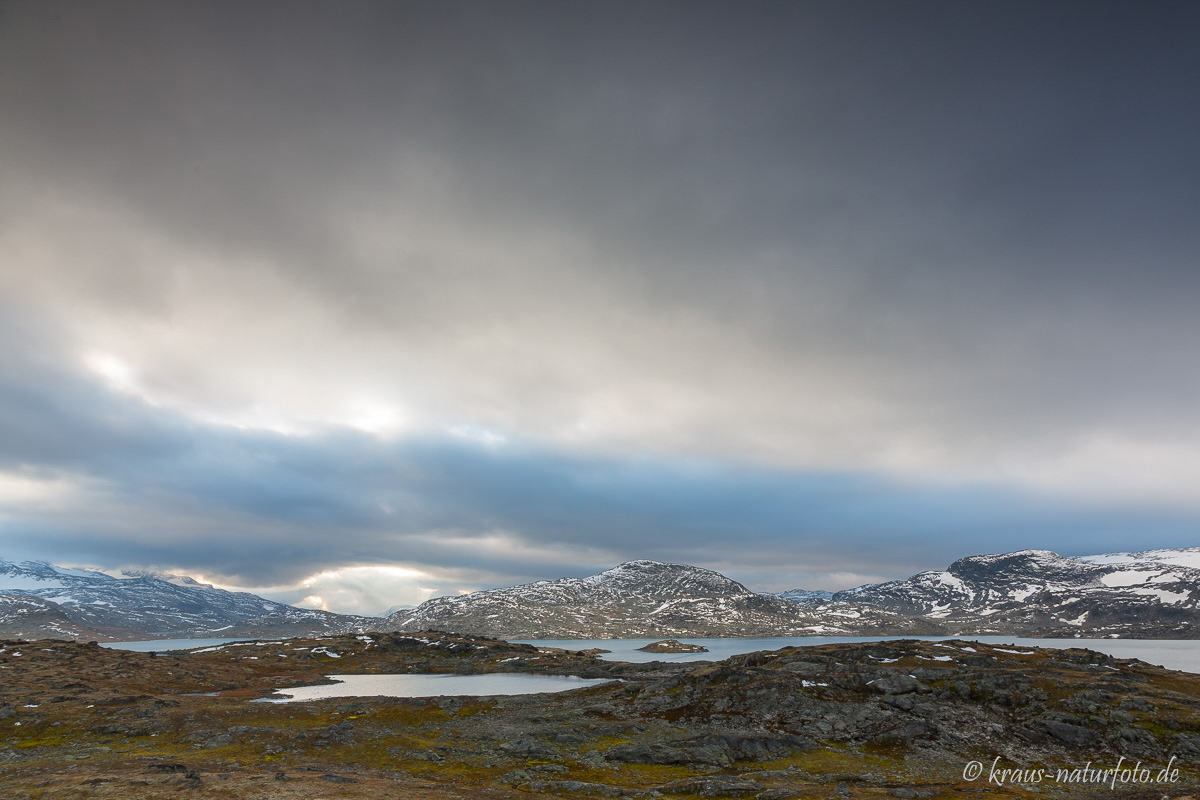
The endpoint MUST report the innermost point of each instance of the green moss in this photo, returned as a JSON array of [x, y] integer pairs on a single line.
[[596, 743]]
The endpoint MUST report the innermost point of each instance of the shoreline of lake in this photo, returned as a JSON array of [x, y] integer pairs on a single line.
[[1177, 654]]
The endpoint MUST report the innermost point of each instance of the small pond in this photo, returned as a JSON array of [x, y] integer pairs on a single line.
[[433, 686], [168, 645]]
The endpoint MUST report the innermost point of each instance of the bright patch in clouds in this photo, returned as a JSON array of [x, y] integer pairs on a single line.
[[1107, 464], [19, 492], [364, 590], [380, 419], [115, 372], [298, 412]]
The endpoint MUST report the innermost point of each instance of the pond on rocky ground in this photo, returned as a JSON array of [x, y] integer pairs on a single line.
[[170, 645], [498, 683]]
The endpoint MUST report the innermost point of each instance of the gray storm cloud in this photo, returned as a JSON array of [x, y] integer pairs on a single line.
[[936, 242]]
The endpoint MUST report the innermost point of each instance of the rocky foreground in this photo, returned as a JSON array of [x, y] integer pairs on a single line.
[[893, 719]]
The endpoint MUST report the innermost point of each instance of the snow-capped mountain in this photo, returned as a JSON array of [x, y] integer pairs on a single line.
[[1151, 594], [640, 598], [44, 600]]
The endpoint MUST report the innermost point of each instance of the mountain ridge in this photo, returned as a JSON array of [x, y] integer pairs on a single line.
[[1153, 594], [44, 598], [641, 598], [1037, 593]]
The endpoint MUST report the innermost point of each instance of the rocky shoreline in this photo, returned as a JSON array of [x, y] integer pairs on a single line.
[[878, 719]]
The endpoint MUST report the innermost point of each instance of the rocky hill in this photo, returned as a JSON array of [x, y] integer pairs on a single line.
[[41, 600], [644, 599]]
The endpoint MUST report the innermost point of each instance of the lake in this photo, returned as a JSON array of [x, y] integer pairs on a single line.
[[498, 683], [167, 645], [1180, 654]]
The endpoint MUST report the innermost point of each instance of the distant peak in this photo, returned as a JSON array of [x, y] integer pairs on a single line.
[[46, 569], [1029, 553], [166, 577], [1018, 555], [635, 570], [642, 563]]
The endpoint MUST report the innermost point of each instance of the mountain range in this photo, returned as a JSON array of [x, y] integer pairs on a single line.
[[644, 598], [1154, 594], [1149, 594], [40, 599]]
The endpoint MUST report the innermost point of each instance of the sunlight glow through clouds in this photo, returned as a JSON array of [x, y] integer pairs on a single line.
[[508, 546], [302, 417], [21, 492], [117, 374], [381, 419], [377, 419], [1163, 473], [366, 589]]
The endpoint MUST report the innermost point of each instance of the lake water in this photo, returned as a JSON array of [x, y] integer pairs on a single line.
[[499, 683], [1181, 654], [167, 645]]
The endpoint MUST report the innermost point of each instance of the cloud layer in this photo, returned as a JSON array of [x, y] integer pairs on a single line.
[[501, 291]]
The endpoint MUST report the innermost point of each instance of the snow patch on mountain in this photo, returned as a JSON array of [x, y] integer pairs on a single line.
[[1184, 557]]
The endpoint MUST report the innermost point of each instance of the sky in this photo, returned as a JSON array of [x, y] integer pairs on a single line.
[[356, 304]]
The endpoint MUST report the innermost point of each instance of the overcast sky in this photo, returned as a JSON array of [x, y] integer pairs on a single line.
[[353, 304]]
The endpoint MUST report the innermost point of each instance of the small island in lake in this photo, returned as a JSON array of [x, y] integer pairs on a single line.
[[672, 646]]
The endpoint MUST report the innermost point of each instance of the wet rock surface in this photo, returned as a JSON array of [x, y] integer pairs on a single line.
[[879, 719]]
